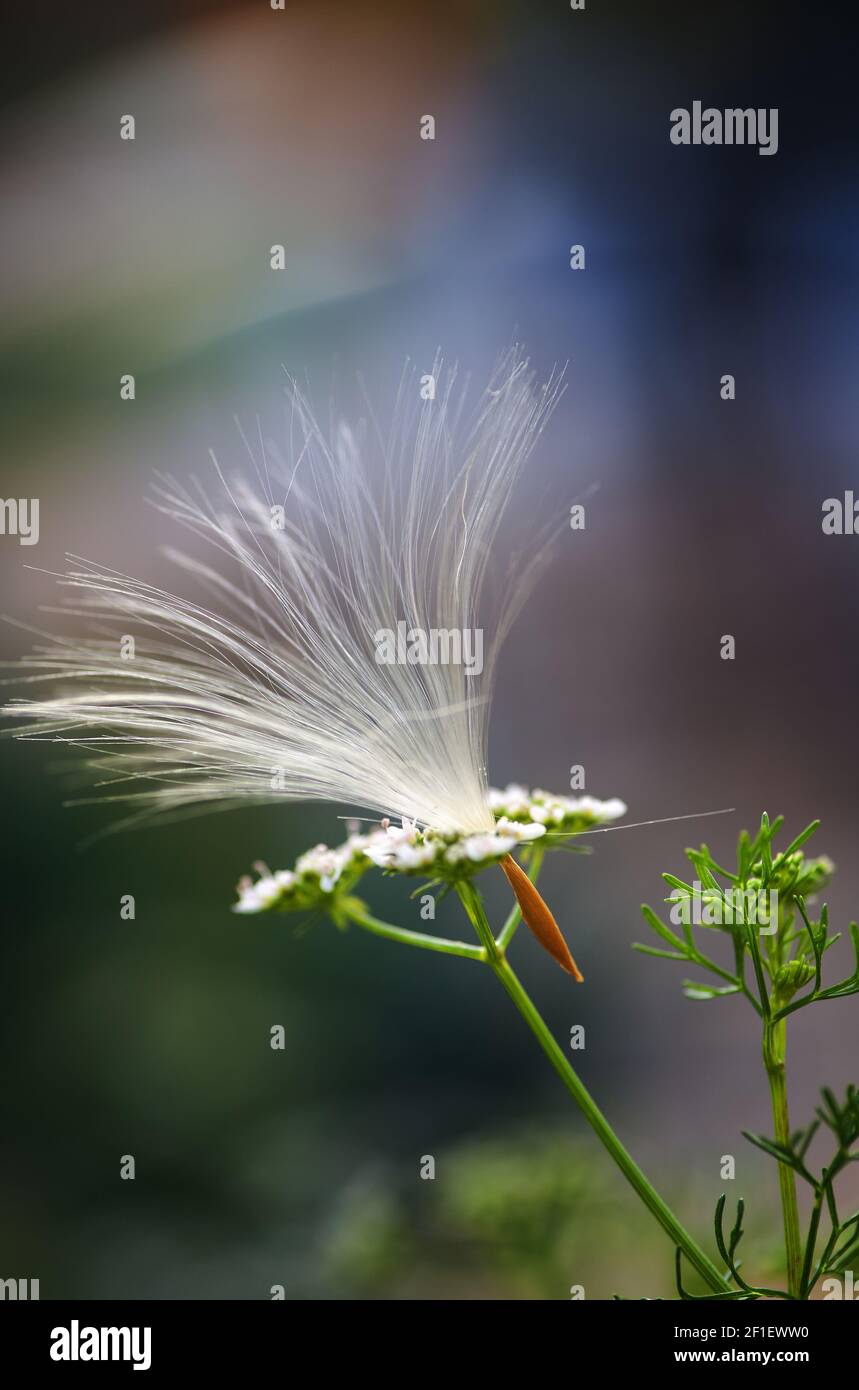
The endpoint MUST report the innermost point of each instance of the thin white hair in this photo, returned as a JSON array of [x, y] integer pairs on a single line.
[[268, 686]]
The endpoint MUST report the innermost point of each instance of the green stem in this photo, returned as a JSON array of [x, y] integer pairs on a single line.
[[774, 1044], [601, 1127], [473, 905], [492, 952], [591, 1111], [414, 938]]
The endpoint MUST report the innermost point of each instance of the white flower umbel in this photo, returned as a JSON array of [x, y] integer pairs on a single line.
[[322, 873], [324, 878], [561, 815]]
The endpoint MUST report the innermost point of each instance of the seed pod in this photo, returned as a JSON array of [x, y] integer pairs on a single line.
[[538, 919]]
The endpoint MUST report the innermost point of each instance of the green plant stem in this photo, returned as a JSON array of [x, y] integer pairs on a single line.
[[774, 1043], [414, 938], [492, 952], [473, 905], [591, 1111], [601, 1127]]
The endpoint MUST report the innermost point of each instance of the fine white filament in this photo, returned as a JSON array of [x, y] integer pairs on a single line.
[[266, 684]]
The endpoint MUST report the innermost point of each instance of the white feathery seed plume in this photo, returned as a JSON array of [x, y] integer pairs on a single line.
[[266, 685]]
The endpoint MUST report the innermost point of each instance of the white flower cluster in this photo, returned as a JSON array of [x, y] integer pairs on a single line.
[[405, 849], [321, 873], [266, 892], [560, 814]]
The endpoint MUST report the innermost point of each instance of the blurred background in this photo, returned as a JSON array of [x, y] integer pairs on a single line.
[[302, 128]]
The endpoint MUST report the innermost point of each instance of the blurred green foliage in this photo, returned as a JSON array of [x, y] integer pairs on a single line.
[[511, 1216]]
